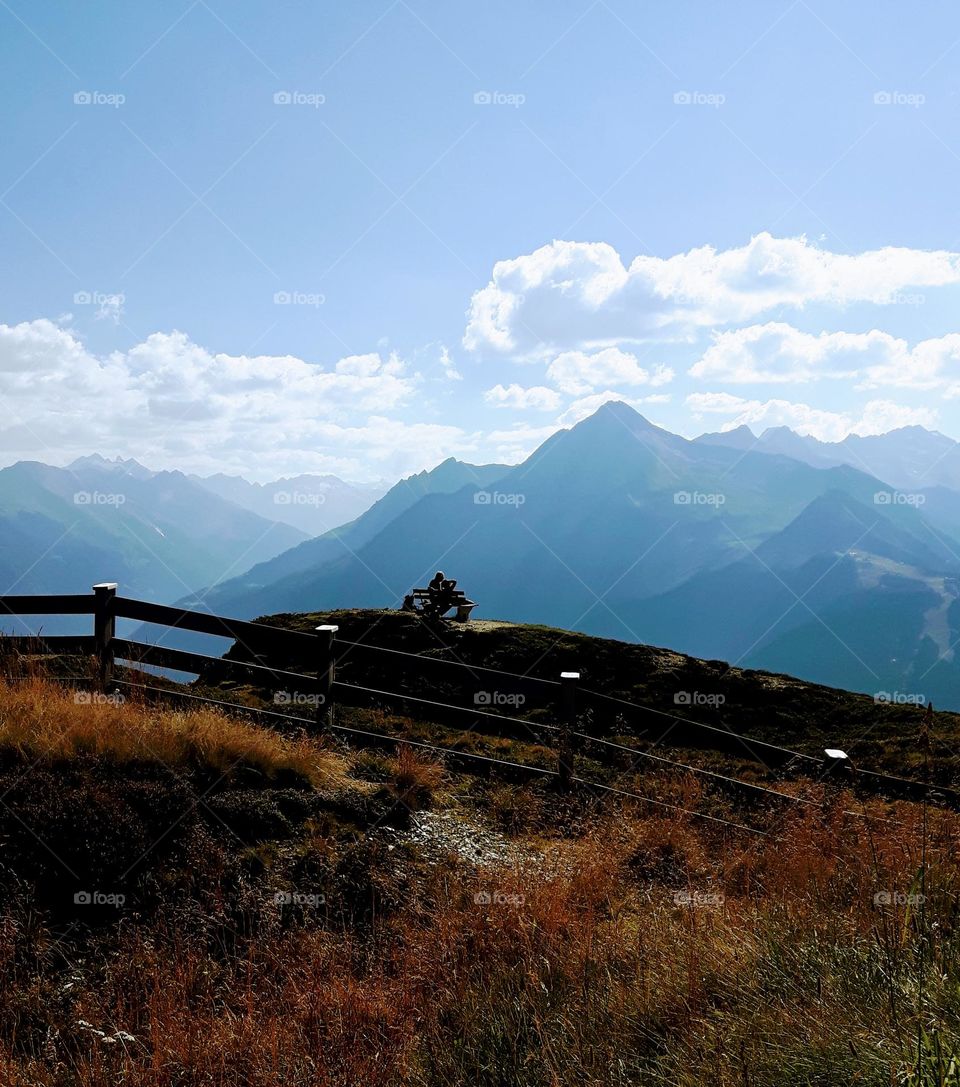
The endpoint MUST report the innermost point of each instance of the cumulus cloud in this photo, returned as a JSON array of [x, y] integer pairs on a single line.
[[876, 417], [779, 353], [577, 372], [535, 398], [169, 400], [570, 295], [450, 371]]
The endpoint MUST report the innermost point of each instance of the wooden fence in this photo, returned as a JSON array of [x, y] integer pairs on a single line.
[[564, 700], [253, 643]]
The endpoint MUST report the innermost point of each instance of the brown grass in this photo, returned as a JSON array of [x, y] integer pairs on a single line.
[[633, 946], [415, 777], [40, 720], [590, 973]]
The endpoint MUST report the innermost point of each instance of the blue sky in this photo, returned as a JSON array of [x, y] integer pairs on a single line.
[[150, 167]]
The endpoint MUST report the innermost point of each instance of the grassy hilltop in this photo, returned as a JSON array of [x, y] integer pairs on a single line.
[[775, 708], [188, 898]]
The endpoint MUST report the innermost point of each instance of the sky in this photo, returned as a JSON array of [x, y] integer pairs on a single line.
[[360, 238]]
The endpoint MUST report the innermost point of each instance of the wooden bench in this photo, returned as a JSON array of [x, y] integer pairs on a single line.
[[458, 600]]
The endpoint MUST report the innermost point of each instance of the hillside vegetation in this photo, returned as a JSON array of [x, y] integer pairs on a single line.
[[672, 687], [192, 899]]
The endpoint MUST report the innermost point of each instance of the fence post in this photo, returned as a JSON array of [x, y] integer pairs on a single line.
[[325, 671], [566, 749], [104, 628]]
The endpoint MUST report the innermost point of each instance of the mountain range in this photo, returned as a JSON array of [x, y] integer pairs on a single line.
[[159, 534], [835, 562], [910, 458], [313, 504], [782, 553]]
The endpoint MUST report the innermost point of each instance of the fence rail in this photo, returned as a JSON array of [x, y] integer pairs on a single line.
[[254, 642]]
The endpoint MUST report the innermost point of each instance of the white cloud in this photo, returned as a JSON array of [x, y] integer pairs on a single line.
[[779, 353], [360, 365], [876, 417], [569, 295], [535, 398], [168, 400], [450, 371], [577, 372]]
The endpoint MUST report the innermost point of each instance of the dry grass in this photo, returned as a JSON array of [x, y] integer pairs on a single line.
[[647, 947], [415, 777], [43, 721], [594, 972]]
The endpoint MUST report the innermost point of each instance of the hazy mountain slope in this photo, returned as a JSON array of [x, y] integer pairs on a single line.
[[245, 596], [615, 501], [619, 528], [910, 458], [344, 541], [156, 533], [314, 504], [845, 593]]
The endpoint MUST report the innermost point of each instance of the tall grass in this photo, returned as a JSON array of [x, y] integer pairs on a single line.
[[40, 720], [633, 948]]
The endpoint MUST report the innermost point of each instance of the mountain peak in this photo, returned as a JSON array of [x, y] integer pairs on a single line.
[[101, 463], [620, 412], [623, 413], [618, 409], [741, 437]]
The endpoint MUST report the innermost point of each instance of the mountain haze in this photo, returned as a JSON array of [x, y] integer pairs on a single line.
[[156, 533], [618, 527], [313, 504]]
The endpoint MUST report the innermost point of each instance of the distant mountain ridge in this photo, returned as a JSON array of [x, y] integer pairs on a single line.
[[778, 552], [910, 457], [247, 592], [618, 527], [312, 503], [157, 533]]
